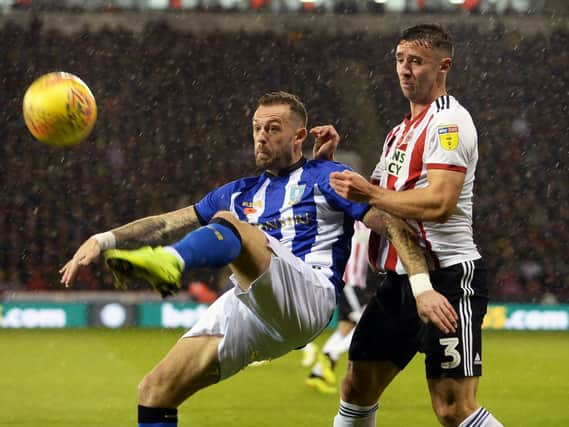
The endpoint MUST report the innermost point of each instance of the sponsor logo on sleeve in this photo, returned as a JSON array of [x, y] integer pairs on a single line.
[[448, 137]]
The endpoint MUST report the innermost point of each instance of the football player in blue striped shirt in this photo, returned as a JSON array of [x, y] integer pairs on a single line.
[[285, 234]]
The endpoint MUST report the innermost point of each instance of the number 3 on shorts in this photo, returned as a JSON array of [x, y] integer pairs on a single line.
[[450, 351]]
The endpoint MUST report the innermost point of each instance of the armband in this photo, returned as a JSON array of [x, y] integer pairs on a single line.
[[106, 240], [420, 283]]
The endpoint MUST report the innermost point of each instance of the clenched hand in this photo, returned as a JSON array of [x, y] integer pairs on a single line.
[[352, 186]]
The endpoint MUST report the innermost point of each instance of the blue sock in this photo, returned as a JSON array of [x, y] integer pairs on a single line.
[[157, 417], [212, 246]]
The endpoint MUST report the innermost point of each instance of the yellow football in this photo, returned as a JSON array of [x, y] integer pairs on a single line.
[[59, 109]]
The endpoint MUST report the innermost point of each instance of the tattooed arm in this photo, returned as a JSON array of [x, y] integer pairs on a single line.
[[155, 229], [432, 307], [403, 238], [146, 231]]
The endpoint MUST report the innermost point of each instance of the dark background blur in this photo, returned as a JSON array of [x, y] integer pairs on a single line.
[[176, 84]]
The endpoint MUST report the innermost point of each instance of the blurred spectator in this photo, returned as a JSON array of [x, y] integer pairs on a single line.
[[36, 281], [200, 292]]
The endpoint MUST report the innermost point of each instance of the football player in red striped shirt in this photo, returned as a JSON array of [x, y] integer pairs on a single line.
[[425, 176]]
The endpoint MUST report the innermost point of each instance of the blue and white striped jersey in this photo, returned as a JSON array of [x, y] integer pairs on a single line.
[[298, 208]]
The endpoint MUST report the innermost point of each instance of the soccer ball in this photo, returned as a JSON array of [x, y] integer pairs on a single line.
[[59, 109]]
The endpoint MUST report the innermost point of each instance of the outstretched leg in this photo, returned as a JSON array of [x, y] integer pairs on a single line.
[[193, 362], [191, 365], [293, 300], [224, 241]]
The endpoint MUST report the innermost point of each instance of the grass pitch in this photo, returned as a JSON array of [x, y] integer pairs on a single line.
[[70, 378]]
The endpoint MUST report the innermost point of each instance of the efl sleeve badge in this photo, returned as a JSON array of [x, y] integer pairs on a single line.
[[448, 137]]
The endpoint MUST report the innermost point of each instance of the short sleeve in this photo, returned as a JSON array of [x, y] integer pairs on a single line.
[[215, 201], [452, 141], [353, 209]]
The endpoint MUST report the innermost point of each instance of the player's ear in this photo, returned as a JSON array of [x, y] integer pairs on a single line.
[[446, 64], [301, 134]]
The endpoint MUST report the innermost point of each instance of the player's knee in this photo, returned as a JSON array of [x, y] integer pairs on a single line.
[[239, 228], [229, 217]]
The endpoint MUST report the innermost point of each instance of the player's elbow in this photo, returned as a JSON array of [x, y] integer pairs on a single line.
[[443, 198], [442, 207]]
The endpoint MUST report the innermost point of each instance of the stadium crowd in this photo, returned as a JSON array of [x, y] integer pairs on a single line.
[[174, 123]]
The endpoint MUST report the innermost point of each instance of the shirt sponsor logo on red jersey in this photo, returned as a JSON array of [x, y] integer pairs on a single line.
[[395, 162]]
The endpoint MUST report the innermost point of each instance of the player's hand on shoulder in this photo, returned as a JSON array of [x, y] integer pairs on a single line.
[[326, 140], [352, 186], [86, 253], [434, 308]]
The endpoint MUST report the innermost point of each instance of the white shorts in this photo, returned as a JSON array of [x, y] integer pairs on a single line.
[[285, 308]]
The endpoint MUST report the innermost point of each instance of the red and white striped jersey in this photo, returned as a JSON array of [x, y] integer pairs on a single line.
[[441, 137], [357, 266]]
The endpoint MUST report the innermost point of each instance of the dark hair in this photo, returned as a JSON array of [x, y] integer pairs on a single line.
[[434, 35], [285, 98]]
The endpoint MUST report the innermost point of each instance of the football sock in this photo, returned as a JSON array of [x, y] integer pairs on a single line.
[[309, 353], [157, 417], [344, 345], [316, 371], [212, 246], [350, 415], [480, 418], [337, 345], [332, 345]]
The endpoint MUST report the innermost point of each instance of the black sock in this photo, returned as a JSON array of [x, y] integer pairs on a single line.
[[166, 417]]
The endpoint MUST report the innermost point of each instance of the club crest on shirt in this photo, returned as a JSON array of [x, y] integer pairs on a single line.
[[448, 137], [295, 194]]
